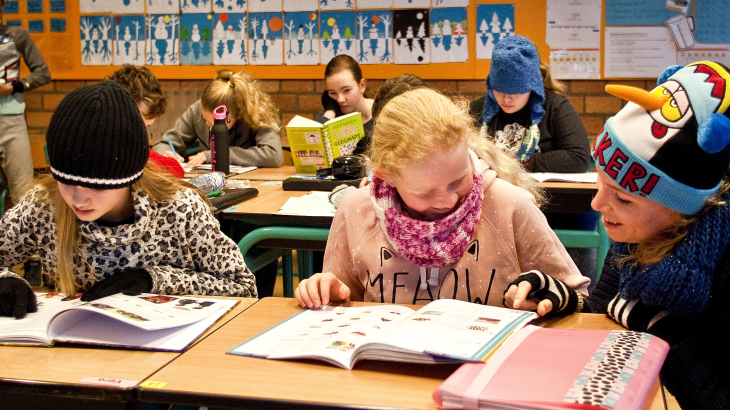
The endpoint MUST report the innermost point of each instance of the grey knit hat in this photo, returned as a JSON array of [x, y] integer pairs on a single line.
[[97, 138]]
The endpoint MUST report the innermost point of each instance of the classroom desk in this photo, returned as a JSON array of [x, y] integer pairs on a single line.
[[49, 378], [206, 376], [267, 174]]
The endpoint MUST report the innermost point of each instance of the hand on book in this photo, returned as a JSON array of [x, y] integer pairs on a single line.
[[320, 289], [132, 282], [634, 315], [535, 290], [16, 298]]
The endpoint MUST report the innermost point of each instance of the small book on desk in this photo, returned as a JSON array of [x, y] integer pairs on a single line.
[[230, 197], [314, 145], [315, 184], [143, 322], [547, 368], [443, 331]]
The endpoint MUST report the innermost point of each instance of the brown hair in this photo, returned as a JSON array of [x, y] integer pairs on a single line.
[[343, 62], [413, 123], [159, 186], [243, 97], [550, 83], [393, 87], [143, 86]]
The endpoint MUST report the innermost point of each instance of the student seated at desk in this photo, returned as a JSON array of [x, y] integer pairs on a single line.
[[664, 193], [447, 215], [103, 223], [253, 122]]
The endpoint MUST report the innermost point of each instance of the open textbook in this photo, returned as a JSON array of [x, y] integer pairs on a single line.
[[445, 330], [145, 322]]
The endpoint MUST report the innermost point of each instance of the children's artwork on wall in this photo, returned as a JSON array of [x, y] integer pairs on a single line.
[[229, 39], [195, 6], [196, 39], [448, 36], [265, 41], [301, 5], [94, 6], [229, 6], [411, 4], [126, 7], [259, 6], [162, 39], [129, 40], [336, 30], [374, 37], [449, 3], [163, 6], [411, 38], [336, 4], [301, 38], [96, 40], [494, 22], [374, 4]]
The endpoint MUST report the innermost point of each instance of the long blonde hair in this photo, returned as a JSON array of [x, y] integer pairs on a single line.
[[159, 186], [412, 124], [662, 245], [242, 95]]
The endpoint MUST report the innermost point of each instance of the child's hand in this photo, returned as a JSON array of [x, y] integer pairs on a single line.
[[320, 289], [132, 282], [548, 294], [196, 159], [6, 89], [16, 298], [173, 154]]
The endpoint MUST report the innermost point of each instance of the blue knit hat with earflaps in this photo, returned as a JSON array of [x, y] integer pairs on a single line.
[[515, 69]]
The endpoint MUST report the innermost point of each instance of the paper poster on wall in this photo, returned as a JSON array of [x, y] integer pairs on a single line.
[[374, 4], [163, 6], [196, 39], [637, 52], [301, 5], [162, 39], [573, 26], [229, 39], [637, 12], [265, 40], [301, 38], [195, 6], [336, 4], [711, 20], [682, 29], [123, 7], [448, 36], [229, 6], [713, 52], [96, 40], [575, 64], [260, 6], [494, 22], [411, 4], [375, 37], [336, 30], [682, 6], [411, 38], [129, 40], [93, 6], [449, 3]]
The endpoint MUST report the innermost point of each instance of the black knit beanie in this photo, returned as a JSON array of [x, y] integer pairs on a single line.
[[97, 138]]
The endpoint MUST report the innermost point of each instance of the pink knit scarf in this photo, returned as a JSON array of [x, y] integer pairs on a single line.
[[429, 244]]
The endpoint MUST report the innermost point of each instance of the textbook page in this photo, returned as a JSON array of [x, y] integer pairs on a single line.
[[587, 177], [315, 203]]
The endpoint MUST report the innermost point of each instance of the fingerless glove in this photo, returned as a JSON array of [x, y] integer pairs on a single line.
[[565, 299], [132, 282], [16, 298]]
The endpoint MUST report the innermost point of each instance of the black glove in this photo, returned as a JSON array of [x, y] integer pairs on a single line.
[[565, 299], [634, 315], [16, 298], [132, 282], [329, 103]]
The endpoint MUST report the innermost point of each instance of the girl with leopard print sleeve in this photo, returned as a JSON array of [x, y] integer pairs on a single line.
[[104, 223]]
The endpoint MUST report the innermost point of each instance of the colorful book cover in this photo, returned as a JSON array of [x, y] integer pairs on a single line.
[[314, 145]]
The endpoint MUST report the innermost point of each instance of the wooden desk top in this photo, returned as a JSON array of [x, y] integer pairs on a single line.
[[58, 369], [267, 174], [206, 375]]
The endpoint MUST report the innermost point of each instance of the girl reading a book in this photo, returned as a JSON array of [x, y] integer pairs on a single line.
[[664, 195], [253, 123], [103, 222], [447, 215]]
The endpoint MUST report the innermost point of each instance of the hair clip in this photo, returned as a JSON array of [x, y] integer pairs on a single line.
[[230, 84]]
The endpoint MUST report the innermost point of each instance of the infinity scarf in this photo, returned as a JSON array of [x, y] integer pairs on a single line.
[[682, 281], [430, 244]]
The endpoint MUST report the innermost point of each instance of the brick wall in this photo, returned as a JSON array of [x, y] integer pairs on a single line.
[[302, 97]]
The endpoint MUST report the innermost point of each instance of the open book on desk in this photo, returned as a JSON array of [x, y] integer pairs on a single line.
[[586, 177], [445, 330], [315, 203], [546, 368], [144, 322]]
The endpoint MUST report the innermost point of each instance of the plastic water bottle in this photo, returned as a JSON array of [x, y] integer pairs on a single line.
[[220, 140], [208, 183]]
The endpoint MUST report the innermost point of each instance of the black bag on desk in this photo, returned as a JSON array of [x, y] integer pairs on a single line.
[[306, 184], [230, 197]]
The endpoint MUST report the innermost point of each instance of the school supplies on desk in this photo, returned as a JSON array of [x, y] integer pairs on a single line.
[[314, 145], [295, 183], [315, 203], [230, 197], [443, 331], [143, 322], [206, 168], [546, 368]]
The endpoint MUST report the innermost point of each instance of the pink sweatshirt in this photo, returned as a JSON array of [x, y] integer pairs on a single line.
[[511, 237]]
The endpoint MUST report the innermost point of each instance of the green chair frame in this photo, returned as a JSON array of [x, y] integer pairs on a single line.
[[3, 193], [588, 239], [261, 257]]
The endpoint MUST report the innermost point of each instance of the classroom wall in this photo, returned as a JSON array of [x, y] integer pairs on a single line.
[[303, 97]]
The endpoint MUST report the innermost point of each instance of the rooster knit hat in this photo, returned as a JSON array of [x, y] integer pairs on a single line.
[[97, 138], [515, 69], [671, 144]]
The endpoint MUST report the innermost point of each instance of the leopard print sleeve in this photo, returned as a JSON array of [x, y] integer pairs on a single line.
[[219, 268]]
